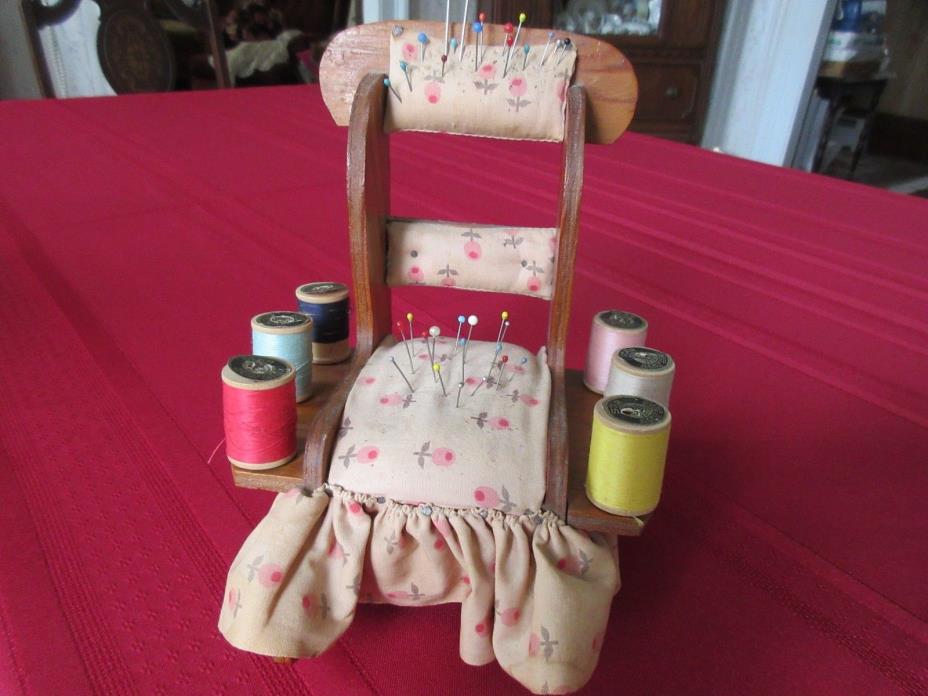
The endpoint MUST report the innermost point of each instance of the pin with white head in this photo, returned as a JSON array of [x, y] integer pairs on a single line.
[[436, 368], [567, 45], [402, 374], [502, 336], [458, 401], [502, 368], [434, 332], [399, 326], [544, 54], [428, 349], [471, 322], [483, 380], [558, 45]]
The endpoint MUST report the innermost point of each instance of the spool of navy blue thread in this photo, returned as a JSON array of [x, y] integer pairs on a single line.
[[327, 304]]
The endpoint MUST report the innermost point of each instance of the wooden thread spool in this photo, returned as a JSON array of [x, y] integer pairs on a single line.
[[327, 304], [628, 449], [640, 371], [611, 330], [287, 335], [259, 411]]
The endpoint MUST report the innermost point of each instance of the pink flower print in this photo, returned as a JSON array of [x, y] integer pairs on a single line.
[[576, 565], [466, 580], [472, 381], [270, 574], [309, 604], [367, 381], [560, 89], [552, 242], [235, 600], [354, 507], [529, 400], [534, 285], [439, 544], [368, 454], [448, 273], [415, 274], [432, 92], [518, 369], [472, 247], [413, 593], [517, 88], [486, 497], [337, 553], [534, 644], [443, 456], [393, 399], [486, 73], [483, 628], [409, 52], [509, 617], [499, 423], [442, 525]]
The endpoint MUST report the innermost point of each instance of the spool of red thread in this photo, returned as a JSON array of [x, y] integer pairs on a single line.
[[259, 411]]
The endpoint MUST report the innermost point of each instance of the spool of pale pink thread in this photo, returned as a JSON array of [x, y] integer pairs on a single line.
[[612, 330]]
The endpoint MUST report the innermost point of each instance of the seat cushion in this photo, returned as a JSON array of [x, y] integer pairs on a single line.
[[422, 447]]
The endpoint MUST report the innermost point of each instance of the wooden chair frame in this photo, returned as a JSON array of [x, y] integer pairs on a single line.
[[613, 95]]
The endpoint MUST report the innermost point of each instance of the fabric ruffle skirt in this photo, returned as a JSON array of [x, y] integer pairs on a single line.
[[534, 592]]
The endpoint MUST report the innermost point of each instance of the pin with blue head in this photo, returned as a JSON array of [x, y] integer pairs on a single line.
[[423, 39], [478, 31], [525, 49], [389, 85], [454, 45], [457, 339], [404, 66]]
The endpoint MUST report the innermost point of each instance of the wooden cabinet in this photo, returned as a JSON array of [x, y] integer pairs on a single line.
[[674, 65]]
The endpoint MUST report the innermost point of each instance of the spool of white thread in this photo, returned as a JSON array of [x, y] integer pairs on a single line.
[[287, 335], [612, 330], [644, 372]]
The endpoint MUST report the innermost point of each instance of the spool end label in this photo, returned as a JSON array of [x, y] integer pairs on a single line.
[[634, 410], [621, 320], [259, 367], [322, 288], [645, 358], [282, 319]]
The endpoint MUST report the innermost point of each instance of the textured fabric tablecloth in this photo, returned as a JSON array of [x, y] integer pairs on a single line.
[[138, 235]]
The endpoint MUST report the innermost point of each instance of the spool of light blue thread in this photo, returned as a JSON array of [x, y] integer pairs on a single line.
[[286, 335]]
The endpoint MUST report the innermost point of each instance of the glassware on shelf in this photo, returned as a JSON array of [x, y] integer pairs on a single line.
[[630, 17]]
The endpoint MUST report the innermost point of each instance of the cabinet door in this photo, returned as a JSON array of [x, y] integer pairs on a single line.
[[666, 92]]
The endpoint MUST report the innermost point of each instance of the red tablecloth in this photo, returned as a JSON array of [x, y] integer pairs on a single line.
[[138, 235]]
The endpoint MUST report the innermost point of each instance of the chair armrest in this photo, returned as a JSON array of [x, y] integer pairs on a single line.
[[558, 449]]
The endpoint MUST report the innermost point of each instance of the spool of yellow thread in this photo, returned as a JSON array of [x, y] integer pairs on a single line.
[[628, 448]]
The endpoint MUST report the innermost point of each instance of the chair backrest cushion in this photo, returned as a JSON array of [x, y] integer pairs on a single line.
[[516, 260], [523, 100]]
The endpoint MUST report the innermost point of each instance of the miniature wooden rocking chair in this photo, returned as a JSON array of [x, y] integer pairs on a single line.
[[534, 590]]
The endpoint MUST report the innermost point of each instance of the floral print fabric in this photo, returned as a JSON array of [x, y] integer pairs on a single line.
[[489, 452], [534, 592], [471, 257], [472, 96]]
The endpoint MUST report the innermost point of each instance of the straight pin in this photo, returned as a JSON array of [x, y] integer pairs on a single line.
[[404, 66], [406, 346], [428, 349], [472, 322], [464, 29], [499, 349], [544, 55], [457, 338], [483, 380], [423, 39], [389, 85], [403, 375], [564, 52], [515, 41], [434, 332], [525, 49], [482, 17], [503, 316], [478, 30], [454, 47], [458, 401], [502, 336], [411, 333], [447, 31], [557, 47], [436, 368], [444, 59], [507, 46], [502, 368]]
